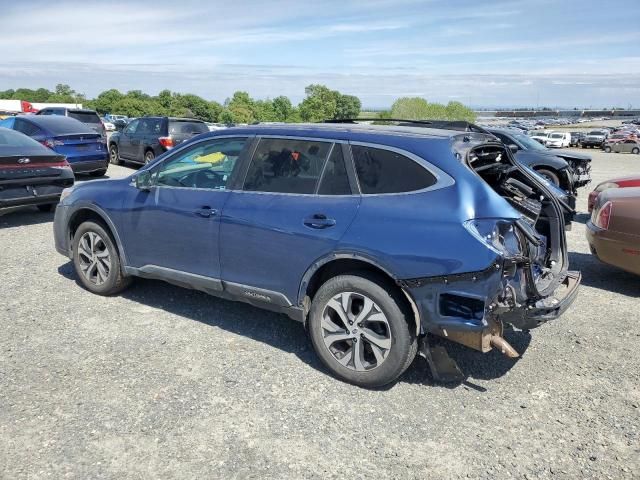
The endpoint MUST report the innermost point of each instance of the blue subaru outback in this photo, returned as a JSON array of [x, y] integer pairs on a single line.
[[376, 237]]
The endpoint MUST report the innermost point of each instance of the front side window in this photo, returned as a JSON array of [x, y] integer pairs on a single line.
[[383, 171], [205, 165], [286, 166], [132, 127]]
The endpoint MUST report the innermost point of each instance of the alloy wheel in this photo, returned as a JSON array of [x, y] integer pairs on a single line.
[[94, 258], [356, 331], [113, 154]]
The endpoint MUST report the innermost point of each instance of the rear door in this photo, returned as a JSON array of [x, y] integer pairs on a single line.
[[294, 205]]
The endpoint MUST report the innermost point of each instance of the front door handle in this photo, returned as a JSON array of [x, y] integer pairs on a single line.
[[319, 221], [206, 212]]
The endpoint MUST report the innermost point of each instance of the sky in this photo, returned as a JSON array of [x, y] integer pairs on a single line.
[[499, 53]]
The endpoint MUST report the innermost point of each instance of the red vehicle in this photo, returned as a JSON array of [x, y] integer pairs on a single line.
[[622, 182]]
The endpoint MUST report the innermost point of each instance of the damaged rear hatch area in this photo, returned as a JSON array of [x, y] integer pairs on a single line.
[[528, 283]]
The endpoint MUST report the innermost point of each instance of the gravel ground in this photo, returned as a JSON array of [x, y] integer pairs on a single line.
[[163, 382]]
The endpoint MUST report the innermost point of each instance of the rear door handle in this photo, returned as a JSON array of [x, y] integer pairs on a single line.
[[206, 212], [319, 221]]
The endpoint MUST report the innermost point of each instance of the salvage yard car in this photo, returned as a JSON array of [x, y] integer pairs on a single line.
[[84, 149], [143, 139], [30, 174], [622, 146], [595, 138], [613, 232], [375, 237]]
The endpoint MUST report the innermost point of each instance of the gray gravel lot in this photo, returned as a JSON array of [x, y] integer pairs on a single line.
[[163, 382]]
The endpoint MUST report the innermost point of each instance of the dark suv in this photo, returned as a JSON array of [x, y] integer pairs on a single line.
[[143, 139], [375, 237], [89, 117]]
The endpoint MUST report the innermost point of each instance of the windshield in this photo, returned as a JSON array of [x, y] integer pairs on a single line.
[[595, 132], [528, 142], [557, 135]]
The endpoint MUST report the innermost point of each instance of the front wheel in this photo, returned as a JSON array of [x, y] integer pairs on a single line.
[[360, 331], [96, 260], [549, 175], [607, 149]]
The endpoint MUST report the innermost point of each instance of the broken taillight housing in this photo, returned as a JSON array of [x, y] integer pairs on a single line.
[[602, 217], [497, 234]]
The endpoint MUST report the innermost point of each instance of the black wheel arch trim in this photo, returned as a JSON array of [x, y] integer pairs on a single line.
[[105, 217]]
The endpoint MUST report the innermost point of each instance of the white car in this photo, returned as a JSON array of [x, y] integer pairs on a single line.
[[540, 137], [558, 140], [108, 126]]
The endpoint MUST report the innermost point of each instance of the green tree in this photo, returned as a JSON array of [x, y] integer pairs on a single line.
[[282, 109], [457, 111], [410, 108], [347, 106], [105, 102], [319, 104]]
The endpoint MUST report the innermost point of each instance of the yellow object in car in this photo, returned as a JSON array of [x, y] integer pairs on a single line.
[[214, 158]]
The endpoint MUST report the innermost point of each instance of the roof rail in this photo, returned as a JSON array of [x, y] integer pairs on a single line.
[[460, 125]]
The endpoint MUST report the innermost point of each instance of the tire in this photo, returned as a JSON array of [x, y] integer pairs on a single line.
[[46, 207], [358, 358], [549, 175], [98, 173], [114, 155], [607, 149], [98, 272], [149, 156], [636, 150]]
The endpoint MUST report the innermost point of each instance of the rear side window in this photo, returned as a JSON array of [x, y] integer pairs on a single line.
[[286, 166], [27, 128], [85, 117], [383, 171], [177, 127], [334, 178], [150, 126]]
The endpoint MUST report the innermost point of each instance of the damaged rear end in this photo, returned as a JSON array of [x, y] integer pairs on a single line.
[[527, 284]]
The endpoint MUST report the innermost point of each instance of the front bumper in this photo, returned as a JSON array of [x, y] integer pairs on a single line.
[[592, 143]]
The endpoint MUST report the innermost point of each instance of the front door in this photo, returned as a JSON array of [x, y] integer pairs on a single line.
[[175, 224], [294, 206]]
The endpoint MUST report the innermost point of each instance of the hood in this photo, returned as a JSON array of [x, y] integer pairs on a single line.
[[570, 155]]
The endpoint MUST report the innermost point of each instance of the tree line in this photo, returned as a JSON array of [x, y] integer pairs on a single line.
[[320, 103]]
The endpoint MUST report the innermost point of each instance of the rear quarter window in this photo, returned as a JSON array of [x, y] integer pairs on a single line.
[[383, 171]]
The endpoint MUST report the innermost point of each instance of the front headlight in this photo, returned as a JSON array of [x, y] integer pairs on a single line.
[[497, 234], [66, 192]]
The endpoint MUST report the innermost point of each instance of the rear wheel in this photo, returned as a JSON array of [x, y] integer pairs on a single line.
[[149, 156], [607, 149], [360, 331], [636, 150], [96, 260], [550, 175], [114, 155], [47, 207]]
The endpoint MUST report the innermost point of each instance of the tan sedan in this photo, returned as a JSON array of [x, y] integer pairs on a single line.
[[614, 229]]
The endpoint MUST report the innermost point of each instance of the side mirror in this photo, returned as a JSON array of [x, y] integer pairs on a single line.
[[513, 147], [143, 181]]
